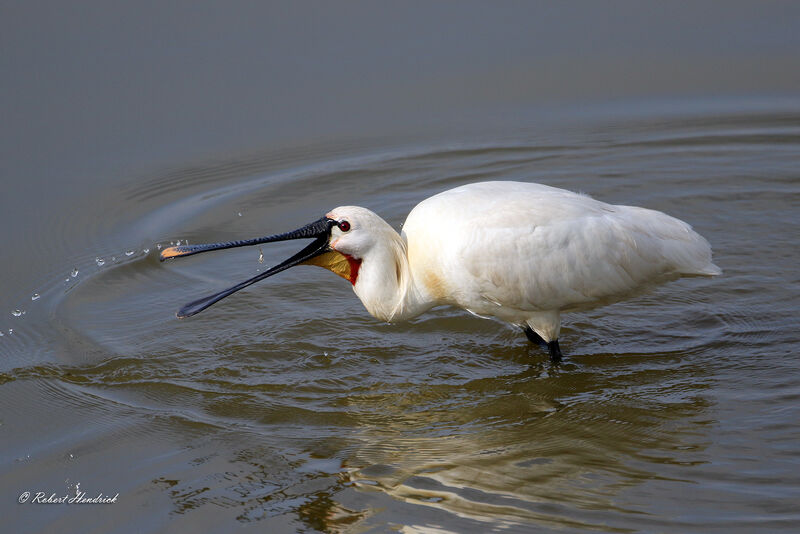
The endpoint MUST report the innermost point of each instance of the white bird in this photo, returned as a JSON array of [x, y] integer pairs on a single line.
[[521, 252]]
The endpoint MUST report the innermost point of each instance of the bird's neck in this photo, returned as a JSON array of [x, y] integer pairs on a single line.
[[385, 283]]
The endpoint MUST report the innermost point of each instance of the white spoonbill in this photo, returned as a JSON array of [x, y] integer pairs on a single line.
[[521, 252]]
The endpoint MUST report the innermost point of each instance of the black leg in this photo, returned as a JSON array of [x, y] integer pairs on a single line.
[[555, 351], [533, 336], [552, 347]]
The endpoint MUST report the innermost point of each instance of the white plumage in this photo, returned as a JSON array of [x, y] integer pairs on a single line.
[[521, 252]]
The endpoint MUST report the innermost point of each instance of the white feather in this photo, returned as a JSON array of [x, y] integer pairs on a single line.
[[521, 252]]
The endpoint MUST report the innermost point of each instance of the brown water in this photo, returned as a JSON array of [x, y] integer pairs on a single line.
[[288, 408]]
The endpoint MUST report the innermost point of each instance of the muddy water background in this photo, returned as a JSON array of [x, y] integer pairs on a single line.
[[286, 407]]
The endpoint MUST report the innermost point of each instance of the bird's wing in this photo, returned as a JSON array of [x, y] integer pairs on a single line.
[[540, 248]]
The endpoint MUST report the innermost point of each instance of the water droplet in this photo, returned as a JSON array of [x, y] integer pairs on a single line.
[[240, 214], [35, 296], [71, 456], [16, 313], [100, 261], [177, 242], [10, 330], [158, 246], [146, 251], [74, 272], [260, 256], [129, 253]]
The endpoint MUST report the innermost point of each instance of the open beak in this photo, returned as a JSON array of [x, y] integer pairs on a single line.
[[319, 231]]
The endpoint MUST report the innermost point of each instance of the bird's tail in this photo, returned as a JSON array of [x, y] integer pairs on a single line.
[[686, 252]]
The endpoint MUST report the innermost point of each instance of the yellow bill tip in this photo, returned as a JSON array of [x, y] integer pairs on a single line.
[[172, 252]]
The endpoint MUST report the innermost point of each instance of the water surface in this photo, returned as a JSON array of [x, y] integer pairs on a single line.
[[288, 404], [286, 407]]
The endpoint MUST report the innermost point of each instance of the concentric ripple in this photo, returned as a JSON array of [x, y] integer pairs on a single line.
[[287, 402]]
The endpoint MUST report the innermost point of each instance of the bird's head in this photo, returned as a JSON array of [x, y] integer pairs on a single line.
[[356, 232], [341, 239]]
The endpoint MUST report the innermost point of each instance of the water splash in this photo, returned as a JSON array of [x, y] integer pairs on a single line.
[[99, 261], [260, 256], [129, 253], [35, 296], [146, 251], [74, 272], [17, 313]]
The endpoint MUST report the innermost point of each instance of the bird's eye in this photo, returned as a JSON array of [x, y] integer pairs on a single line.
[[344, 226]]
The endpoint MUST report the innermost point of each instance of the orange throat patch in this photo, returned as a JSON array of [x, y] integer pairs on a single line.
[[338, 263]]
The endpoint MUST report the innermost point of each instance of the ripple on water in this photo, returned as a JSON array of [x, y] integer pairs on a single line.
[[293, 401]]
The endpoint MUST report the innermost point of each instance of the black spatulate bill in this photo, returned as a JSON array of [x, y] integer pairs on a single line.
[[318, 230]]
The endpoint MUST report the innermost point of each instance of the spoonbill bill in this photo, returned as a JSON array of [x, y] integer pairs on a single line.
[[523, 253]]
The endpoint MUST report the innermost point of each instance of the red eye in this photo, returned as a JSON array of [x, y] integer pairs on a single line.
[[344, 226]]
